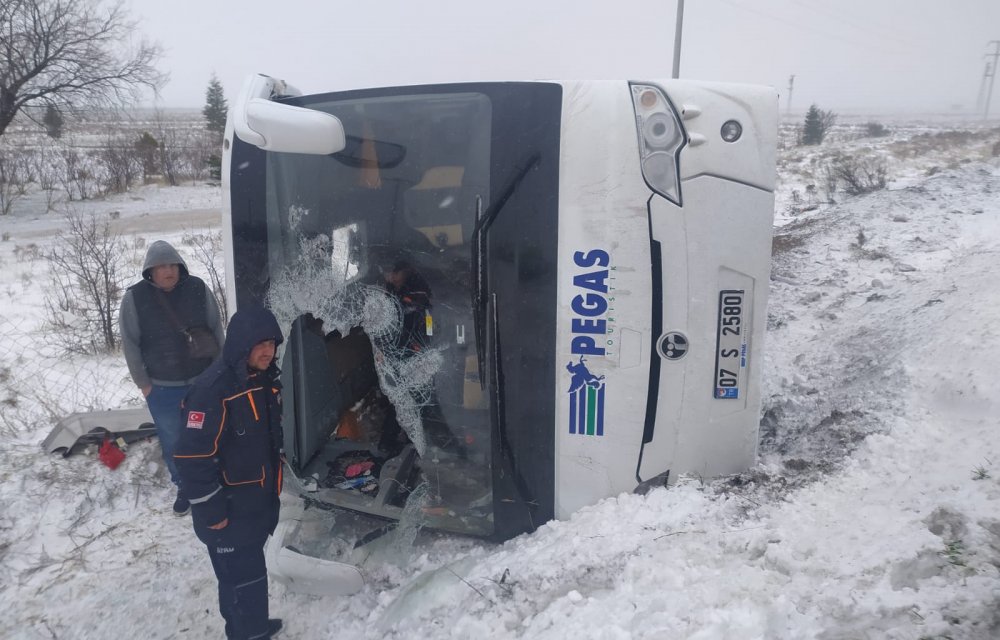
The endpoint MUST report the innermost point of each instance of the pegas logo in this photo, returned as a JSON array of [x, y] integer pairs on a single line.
[[586, 400], [590, 303], [589, 328]]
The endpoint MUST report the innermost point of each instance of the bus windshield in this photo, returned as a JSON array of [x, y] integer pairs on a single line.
[[371, 274]]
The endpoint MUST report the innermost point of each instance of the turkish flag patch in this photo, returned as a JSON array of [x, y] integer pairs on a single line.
[[196, 419]]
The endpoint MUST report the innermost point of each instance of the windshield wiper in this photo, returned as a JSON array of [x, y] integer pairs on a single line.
[[483, 222], [508, 465]]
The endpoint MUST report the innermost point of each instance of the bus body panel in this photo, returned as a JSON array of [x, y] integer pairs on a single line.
[[603, 243], [719, 240], [751, 158], [697, 432]]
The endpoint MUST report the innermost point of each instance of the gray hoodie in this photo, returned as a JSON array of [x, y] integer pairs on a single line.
[[158, 253]]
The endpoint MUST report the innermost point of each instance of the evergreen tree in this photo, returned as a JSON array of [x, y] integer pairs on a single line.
[[148, 150], [53, 122], [215, 107], [817, 124]]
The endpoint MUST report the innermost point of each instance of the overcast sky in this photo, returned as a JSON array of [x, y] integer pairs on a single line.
[[879, 55]]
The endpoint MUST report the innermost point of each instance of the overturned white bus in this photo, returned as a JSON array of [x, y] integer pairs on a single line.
[[591, 261]]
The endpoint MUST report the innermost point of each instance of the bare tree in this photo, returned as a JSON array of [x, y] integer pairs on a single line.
[[89, 267], [68, 53], [168, 154], [11, 181], [208, 250]]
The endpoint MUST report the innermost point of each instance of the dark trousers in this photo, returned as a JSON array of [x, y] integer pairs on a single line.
[[242, 578]]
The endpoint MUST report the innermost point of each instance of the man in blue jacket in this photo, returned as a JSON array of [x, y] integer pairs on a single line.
[[229, 460]]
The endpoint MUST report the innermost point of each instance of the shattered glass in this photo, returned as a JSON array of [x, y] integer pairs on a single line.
[[310, 285]]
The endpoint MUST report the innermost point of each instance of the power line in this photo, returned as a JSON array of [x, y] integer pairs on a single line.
[[805, 27], [880, 31], [981, 98]]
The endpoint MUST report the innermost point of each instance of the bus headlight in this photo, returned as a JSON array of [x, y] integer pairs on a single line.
[[731, 130], [659, 131], [659, 168], [661, 138]]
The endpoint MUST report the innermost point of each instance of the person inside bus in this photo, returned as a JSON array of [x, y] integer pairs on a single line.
[[411, 290]]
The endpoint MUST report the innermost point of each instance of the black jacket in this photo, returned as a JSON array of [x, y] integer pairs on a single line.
[[163, 316], [228, 455], [414, 297]]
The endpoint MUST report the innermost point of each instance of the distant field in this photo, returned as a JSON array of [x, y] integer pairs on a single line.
[[97, 154]]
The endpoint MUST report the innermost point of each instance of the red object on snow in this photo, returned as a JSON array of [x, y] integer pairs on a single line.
[[110, 454]]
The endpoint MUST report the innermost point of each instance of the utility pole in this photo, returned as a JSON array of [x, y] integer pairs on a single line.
[[981, 98], [788, 104], [993, 73], [677, 39]]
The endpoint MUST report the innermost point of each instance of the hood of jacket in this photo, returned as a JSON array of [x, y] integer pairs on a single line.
[[248, 327], [159, 253]]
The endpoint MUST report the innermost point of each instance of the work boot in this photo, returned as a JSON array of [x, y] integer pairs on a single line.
[[181, 506]]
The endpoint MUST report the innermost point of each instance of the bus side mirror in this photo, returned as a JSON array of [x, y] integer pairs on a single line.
[[273, 126]]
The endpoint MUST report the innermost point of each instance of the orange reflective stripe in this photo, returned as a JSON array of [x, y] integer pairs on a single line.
[[222, 423], [259, 480], [215, 443], [281, 476], [253, 406]]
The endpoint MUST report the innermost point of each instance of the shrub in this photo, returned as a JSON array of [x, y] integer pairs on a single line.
[[214, 164], [27, 253], [12, 182], [119, 159], [876, 130], [88, 267], [76, 178], [859, 175]]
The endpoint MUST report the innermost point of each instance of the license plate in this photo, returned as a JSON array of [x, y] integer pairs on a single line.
[[731, 349]]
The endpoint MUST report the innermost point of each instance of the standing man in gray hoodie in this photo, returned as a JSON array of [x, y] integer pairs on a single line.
[[171, 331]]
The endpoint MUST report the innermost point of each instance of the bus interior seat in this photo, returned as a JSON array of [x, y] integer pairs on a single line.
[[440, 207], [353, 363], [330, 376]]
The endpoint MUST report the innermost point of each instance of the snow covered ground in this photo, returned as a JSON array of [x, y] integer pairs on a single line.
[[874, 511]]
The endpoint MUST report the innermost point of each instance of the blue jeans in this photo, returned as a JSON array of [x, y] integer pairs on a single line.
[[165, 406]]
